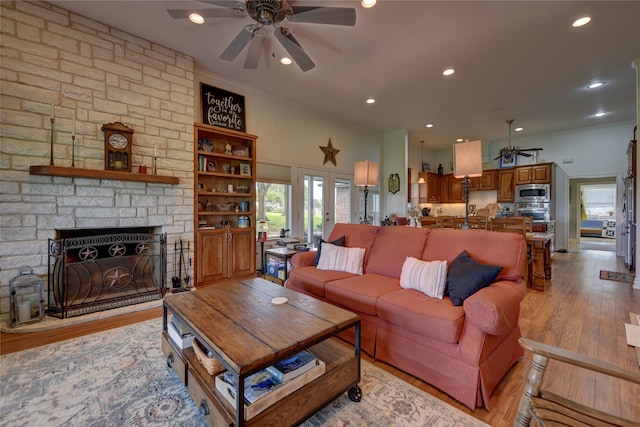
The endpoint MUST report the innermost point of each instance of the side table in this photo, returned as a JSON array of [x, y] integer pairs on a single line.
[[275, 258]]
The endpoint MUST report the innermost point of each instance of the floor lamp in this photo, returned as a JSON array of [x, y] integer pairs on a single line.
[[365, 175], [467, 158]]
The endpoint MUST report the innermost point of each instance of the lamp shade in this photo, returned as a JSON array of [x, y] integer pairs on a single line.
[[467, 159], [366, 173]]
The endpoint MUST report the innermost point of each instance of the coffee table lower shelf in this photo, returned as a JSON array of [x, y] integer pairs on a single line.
[[342, 374]]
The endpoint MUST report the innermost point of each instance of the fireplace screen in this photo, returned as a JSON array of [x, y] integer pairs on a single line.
[[101, 269]]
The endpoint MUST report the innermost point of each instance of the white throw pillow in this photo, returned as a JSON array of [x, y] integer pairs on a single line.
[[428, 277], [339, 258]]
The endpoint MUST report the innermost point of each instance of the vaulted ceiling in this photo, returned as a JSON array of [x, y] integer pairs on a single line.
[[519, 60]]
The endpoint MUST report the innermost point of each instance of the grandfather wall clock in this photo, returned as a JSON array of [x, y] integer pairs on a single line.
[[117, 147]]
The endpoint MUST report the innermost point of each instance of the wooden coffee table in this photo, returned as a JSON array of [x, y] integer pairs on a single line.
[[241, 326]]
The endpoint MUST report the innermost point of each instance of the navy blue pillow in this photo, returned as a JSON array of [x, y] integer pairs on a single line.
[[338, 242], [467, 276]]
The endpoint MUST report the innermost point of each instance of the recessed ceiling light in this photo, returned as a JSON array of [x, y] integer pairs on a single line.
[[371, 101], [196, 18], [448, 72], [518, 129], [581, 21], [595, 85], [285, 61], [429, 125], [368, 3], [459, 140], [600, 114]]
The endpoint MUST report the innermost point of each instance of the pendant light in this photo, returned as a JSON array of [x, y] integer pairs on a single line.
[[421, 179]]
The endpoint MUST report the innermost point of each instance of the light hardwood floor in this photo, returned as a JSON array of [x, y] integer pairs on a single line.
[[579, 312]]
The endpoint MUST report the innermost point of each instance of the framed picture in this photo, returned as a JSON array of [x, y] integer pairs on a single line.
[[426, 167], [245, 169], [508, 159], [211, 166]]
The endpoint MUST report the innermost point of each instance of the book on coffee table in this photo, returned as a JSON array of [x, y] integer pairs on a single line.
[[264, 393], [293, 366]]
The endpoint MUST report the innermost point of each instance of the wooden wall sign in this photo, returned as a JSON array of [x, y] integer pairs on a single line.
[[222, 108]]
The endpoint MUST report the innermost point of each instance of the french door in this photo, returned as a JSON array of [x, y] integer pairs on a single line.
[[324, 199]]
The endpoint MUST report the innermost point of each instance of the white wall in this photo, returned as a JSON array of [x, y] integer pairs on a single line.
[[394, 160]]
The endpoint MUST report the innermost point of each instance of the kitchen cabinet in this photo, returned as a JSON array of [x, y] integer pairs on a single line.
[[533, 174], [224, 204], [445, 188], [225, 254], [430, 191], [456, 189], [505, 185], [485, 182]]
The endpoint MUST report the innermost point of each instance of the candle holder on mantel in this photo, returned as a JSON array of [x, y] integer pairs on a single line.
[[155, 171], [51, 158], [73, 151]]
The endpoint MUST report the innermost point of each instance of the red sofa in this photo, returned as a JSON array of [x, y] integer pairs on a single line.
[[462, 350]]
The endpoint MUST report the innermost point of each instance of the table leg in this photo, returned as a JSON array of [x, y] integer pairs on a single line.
[[540, 282]]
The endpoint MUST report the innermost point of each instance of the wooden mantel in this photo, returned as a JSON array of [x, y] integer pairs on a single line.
[[72, 172]]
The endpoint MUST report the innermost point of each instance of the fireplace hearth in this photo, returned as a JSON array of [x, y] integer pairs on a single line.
[[93, 270]]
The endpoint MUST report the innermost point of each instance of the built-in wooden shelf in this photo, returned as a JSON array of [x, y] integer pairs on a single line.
[[71, 172]]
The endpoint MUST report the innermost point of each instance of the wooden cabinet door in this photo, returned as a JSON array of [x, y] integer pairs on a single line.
[[433, 188], [522, 175], [487, 180], [445, 188], [211, 263], [457, 190], [506, 187], [541, 174], [242, 260]]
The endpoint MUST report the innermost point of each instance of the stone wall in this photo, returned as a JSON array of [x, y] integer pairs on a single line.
[[103, 75]]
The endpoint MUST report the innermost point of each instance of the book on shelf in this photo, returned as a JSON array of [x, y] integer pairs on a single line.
[[293, 366], [182, 340], [267, 390]]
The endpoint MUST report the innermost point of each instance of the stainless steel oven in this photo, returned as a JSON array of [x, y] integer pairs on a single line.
[[539, 211], [530, 193]]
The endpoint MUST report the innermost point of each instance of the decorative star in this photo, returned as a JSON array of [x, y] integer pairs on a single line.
[[329, 153]]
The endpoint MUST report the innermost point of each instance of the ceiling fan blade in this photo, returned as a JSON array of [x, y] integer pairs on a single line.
[[292, 46], [531, 149], [256, 47], [238, 44], [521, 153], [324, 15], [206, 13], [229, 4]]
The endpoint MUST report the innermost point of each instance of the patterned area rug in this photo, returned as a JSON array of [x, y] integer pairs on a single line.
[[618, 277], [119, 378]]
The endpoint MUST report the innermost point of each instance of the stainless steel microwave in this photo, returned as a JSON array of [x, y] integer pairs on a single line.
[[533, 193]]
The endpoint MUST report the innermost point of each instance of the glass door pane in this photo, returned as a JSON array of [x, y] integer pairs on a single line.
[[313, 208], [341, 201]]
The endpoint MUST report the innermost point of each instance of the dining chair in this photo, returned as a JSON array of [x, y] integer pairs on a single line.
[[446, 221], [429, 222], [478, 222], [517, 224]]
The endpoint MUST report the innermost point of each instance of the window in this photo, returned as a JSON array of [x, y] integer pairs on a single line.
[[599, 200], [273, 205]]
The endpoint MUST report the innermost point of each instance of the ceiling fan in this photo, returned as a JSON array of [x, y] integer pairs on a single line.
[[270, 14], [510, 151]]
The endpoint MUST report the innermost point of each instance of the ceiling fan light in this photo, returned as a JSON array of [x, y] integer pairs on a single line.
[[285, 60], [368, 3], [581, 21], [196, 18]]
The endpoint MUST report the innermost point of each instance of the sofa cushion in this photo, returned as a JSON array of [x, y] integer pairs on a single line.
[[435, 318], [488, 247], [356, 236], [428, 277], [311, 280], [466, 276], [341, 259], [360, 293], [338, 242], [392, 246]]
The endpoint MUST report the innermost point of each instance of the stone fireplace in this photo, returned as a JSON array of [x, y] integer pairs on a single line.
[[98, 269]]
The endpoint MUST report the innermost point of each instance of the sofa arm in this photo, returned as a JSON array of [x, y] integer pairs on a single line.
[[303, 259], [496, 308]]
